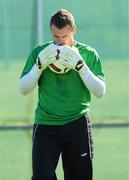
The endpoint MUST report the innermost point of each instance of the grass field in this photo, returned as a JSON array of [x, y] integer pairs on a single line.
[[111, 157], [114, 105], [111, 154]]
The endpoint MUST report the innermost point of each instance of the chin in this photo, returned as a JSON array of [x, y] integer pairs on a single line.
[[60, 44]]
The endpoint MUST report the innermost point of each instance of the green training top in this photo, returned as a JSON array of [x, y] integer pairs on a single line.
[[63, 98]]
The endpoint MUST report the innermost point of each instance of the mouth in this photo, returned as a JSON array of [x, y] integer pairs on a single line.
[[59, 44]]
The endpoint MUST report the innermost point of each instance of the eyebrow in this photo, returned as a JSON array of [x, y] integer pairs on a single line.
[[59, 36]]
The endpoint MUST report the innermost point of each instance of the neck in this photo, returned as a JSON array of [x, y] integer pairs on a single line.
[[72, 42]]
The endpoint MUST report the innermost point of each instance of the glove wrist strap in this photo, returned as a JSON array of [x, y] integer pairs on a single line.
[[79, 65], [38, 63]]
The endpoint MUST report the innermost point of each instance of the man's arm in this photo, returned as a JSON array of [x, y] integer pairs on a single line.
[[28, 82], [72, 59], [93, 83]]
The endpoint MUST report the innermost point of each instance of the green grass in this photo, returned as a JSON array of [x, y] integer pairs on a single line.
[[15, 155], [13, 105], [114, 104], [111, 159], [111, 154]]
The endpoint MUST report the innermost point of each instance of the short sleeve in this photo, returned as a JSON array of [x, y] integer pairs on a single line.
[[96, 65], [31, 60]]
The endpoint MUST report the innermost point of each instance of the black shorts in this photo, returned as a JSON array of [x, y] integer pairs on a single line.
[[73, 141]]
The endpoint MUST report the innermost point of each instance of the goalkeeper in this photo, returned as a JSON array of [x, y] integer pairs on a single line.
[[62, 122]]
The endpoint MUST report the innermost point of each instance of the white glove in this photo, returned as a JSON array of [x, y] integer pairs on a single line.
[[71, 58], [47, 56]]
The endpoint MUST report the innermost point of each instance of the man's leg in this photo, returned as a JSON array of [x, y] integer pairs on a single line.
[[45, 152], [77, 150]]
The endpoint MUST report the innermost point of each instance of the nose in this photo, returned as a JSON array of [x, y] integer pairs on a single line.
[[61, 42]]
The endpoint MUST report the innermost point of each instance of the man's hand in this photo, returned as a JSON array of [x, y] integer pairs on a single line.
[[47, 56], [71, 58]]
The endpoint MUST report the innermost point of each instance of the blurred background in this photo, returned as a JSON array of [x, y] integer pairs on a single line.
[[24, 24]]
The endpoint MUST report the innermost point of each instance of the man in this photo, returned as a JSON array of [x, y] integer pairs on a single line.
[[62, 123]]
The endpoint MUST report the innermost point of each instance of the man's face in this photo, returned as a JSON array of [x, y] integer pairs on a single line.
[[64, 35]]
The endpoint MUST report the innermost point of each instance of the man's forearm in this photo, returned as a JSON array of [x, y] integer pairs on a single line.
[[28, 82], [92, 82]]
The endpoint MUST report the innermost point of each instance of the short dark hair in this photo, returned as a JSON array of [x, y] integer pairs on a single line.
[[62, 18]]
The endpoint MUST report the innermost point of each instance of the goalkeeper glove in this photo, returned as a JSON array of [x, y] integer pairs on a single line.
[[71, 58], [47, 56]]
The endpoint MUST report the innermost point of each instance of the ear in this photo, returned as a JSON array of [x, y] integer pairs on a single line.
[[74, 29]]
